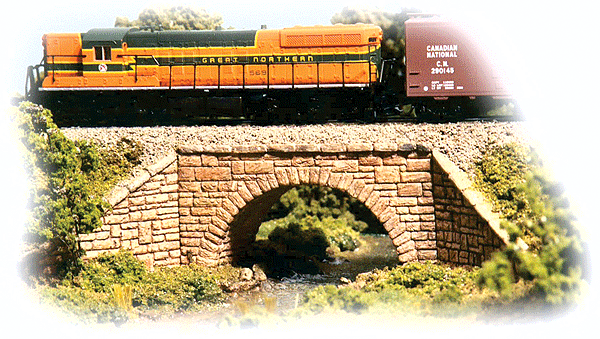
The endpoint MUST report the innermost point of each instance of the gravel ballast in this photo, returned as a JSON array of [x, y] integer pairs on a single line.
[[462, 142]]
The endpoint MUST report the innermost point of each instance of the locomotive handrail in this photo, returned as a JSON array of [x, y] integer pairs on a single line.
[[60, 56]]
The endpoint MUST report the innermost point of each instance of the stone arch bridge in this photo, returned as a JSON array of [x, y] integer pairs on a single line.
[[205, 203]]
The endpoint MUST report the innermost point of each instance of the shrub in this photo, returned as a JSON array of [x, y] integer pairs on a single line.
[[538, 213], [178, 288], [63, 204], [111, 287], [108, 270], [424, 288], [324, 202], [67, 182]]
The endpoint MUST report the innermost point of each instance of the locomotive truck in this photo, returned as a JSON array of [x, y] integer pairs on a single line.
[[297, 74]]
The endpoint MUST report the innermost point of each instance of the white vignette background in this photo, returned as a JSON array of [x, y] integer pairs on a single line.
[[549, 52]]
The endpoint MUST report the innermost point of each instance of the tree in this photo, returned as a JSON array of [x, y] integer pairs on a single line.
[[174, 18], [392, 24]]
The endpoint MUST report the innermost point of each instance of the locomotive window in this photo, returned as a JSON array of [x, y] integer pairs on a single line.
[[372, 39], [102, 52]]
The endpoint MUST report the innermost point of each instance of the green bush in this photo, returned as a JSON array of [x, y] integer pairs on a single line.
[[323, 203], [330, 297], [67, 181], [107, 270], [424, 288], [110, 287], [537, 211], [499, 174], [180, 288]]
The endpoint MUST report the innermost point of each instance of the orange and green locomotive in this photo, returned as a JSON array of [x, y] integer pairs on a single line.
[[251, 73]]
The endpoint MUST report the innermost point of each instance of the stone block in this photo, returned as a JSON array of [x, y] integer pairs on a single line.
[[370, 161], [403, 201], [387, 174], [157, 198], [258, 167], [310, 148], [385, 147], [415, 177], [189, 186], [254, 188], [363, 147], [333, 148], [302, 161], [209, 160], [410, 189], [422, 210], [304, 175], [394, 160], [281, 148], [213, 173], [418, 165], [249, 148], [186, 174], [292, 174], [112, 219], [345, 166], [282, 177]]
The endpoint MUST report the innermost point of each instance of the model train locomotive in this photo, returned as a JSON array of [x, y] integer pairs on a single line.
[[303, 74]]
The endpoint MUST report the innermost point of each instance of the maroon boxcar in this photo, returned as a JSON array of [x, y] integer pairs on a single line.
[[445, 59]]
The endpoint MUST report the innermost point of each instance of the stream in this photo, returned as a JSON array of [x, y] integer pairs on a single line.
[[376, 251], [280, 296]]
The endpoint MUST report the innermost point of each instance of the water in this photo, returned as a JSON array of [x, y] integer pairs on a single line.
[[376, 251]]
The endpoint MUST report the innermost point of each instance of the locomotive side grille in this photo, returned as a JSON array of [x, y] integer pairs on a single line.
[[304, 40], [295, 40], [352, 39], [314, 40], [333, 39]]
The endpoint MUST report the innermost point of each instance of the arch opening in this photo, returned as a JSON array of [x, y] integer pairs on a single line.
[[310, 229]]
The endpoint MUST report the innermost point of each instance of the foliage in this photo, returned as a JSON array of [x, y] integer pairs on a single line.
[[179, 288], [325, 203], [174, 18], [110, 287], [392, 24], [107, 270], [425, 288], [63, 204], [87, 305], [330, 297], [499, 174], [537, 211], [67, 181]]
